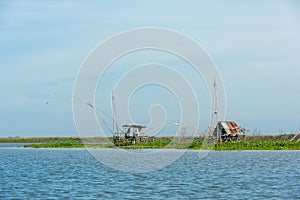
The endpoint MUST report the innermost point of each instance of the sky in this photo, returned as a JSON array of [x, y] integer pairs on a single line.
[[254, 44]]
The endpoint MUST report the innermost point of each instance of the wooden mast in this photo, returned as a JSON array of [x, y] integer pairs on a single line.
[[115, 121], [214, 114]]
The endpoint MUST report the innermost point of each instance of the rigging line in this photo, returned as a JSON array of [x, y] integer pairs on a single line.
[[101, 111], [107, 115], [100, 116], [295, 136], [115, 120], [91, 105], [97, 111]]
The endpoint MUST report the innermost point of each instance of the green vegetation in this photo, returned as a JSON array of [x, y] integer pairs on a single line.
[[56, 145], [263, 145], [257, 145], [264, 137], [253, 142], [52, 139], [67, 145], [260, 137]]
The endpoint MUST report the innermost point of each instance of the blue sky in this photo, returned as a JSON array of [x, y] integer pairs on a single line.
[[255, 45]]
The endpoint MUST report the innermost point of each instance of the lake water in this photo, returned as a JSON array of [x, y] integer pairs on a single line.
[[75, 174]]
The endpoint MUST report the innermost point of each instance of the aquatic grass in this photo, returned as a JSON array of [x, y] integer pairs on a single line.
[[52, 139], [56, 145], [261, 145], [258, 145], [270, 143]]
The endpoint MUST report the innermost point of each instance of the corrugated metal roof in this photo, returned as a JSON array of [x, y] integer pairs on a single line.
[[229, 127]]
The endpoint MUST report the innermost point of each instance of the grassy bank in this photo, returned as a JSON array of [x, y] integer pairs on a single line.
[[56, 145], [251, 142], [67, 145], [52, 139], [262, 145], [248, 138], [254, 145]]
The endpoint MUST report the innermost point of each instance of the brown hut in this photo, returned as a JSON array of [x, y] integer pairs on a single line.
[[228, 131]]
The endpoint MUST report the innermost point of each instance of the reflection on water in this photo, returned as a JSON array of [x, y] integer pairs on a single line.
[[6, 145], [74, 173]]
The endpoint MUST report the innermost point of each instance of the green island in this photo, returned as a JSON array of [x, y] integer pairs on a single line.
[[251, 142]]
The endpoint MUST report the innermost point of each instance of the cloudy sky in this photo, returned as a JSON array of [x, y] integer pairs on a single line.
[[254, 44]]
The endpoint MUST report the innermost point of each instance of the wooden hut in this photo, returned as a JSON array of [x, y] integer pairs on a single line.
[[228, 131]]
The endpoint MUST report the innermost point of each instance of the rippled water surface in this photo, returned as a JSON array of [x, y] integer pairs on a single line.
[[75, 174]]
